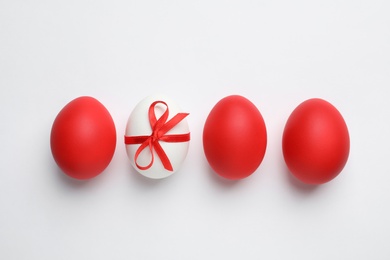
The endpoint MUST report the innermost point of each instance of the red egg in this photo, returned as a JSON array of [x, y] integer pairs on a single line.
[[315, 142], [83, 138], [234, 138]]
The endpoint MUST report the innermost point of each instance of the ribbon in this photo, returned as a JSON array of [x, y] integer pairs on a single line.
[[159, 129]]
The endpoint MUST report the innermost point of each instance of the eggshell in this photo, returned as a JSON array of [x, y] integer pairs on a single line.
[[315, 142], [83, 138], [139, 125], [234, 137]]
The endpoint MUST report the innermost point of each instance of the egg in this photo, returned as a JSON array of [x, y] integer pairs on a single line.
[[315, 142], [83, 138], [234, 137], [157, 137]]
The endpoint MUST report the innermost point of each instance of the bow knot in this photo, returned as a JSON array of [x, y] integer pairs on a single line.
[[159, 129], [154, 136]]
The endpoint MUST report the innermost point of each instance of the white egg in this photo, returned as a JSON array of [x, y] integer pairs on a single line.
[[139, 125]]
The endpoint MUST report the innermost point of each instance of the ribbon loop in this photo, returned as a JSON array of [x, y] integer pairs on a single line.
[[159, 129]]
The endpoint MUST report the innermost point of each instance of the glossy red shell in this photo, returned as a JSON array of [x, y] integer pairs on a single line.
[[315, 142], [83, 138], [234, 137]]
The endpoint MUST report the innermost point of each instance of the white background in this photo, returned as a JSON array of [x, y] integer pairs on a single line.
[[276, 53]]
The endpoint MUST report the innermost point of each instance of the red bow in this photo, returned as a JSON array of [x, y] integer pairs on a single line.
[[159, 129]]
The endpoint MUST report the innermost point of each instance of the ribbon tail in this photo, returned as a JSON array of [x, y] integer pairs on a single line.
[[163, 156], [172, 122]]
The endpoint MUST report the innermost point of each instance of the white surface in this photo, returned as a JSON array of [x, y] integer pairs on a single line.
[[139, 125], [276, 53]]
